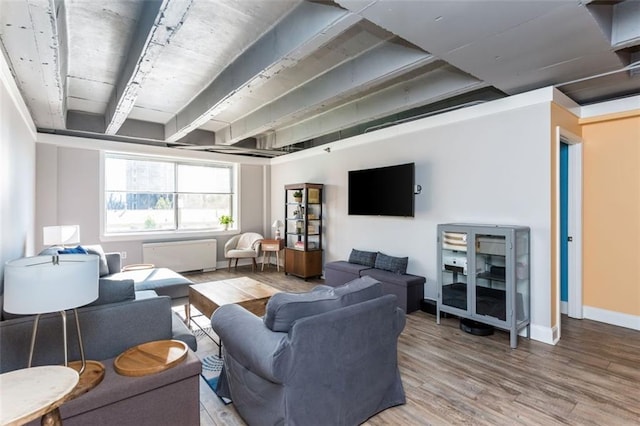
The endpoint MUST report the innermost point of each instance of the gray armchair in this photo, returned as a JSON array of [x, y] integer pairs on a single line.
[[327, 357], [243, 246]]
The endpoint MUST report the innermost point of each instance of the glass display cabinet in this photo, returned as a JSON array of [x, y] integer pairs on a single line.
[[303, 230], [483, 275]]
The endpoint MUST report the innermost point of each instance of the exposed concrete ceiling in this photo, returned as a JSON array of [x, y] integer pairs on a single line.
[[261, 77]]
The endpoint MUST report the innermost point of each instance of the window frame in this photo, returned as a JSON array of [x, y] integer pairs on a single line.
[[163, 234]]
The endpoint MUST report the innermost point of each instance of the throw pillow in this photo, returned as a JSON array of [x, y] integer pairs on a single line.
[[114, 291], [73, 250], [391, 263], [366, 258], [97, 249]]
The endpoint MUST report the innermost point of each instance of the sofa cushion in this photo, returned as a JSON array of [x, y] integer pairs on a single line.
[[348, 267], [404, 280], [102, 261], [391, 263], [366, 258], [284, 309], [163, 281], [114, 291], [116, 388]]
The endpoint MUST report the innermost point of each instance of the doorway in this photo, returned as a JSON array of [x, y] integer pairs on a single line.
[[569, 215]]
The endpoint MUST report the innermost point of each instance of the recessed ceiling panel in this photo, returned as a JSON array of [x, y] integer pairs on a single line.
[[99, 33], [442, 26], [85, 105], [569, 33], [147, 114]]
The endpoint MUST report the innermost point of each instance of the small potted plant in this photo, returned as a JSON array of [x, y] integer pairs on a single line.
[[226, 220], [297, 196]]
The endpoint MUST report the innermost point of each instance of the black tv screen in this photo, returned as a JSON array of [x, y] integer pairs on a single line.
[[383, 191]]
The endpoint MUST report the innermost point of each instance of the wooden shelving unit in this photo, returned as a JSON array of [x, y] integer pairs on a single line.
[[303, 229]]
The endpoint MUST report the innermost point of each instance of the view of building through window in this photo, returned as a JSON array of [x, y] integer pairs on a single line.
[[146, 195]]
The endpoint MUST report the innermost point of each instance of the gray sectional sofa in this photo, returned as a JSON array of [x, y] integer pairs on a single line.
[[119, 319], [163, 281], [389, 270]]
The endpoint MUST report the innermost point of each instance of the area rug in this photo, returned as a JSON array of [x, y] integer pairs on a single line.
[[211, 362]]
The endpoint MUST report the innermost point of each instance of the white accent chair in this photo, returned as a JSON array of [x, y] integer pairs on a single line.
[[243, 246]]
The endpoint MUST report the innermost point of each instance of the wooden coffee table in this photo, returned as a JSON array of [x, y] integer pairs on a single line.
[[246, 292]]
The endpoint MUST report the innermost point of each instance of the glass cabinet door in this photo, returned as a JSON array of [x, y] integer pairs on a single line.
[[303, 217], [490, 276], [295, 213], [522, 277], [454, 269]]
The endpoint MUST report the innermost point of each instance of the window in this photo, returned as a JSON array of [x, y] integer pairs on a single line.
[[152, 195]]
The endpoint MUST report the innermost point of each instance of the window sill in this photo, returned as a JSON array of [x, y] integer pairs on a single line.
[[164, 236]]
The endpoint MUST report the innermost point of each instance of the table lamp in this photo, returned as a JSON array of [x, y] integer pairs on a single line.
[[60, 235], [43, 284], [277, 224]]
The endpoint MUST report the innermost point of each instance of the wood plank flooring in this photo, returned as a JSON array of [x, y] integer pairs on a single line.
[[592, 377]]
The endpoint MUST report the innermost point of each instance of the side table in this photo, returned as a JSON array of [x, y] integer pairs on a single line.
[[30, 393], [270, 246]]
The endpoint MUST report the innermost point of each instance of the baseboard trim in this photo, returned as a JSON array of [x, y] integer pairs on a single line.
[[612, 317], [564, 308], [224, 264], [542, 334]]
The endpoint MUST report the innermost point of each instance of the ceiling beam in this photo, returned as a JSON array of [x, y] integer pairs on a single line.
[[372, 68], [159, 21], [300, 33], [39, 28], [431, 86]]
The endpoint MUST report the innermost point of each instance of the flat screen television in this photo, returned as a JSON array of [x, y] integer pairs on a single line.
[[383, 191]]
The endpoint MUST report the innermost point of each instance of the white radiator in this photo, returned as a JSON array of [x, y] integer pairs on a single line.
[[182, 256]]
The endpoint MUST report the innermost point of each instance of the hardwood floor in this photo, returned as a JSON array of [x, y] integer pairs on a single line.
[[591, 377]]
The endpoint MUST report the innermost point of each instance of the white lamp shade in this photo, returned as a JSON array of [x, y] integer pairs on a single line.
[[60, 235], [35, 285], [277, 224]]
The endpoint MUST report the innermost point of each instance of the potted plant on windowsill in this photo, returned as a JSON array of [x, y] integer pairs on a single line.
[[297, 196], [226, 220]]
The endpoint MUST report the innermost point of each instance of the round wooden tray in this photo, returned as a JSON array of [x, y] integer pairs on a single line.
[[89, 379], [150, 358], [138, 267]]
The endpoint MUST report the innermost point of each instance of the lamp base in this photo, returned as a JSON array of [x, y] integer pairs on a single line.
[[90, 378]]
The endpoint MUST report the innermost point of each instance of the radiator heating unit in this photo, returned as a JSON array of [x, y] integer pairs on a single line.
[[182, 256]]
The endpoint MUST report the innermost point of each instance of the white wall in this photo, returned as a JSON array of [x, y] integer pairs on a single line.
[[68, 191], [474, 166], [17, 173]]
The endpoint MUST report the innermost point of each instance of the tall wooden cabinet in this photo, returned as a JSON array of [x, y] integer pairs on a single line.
[[303, 229], [483, 275]]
